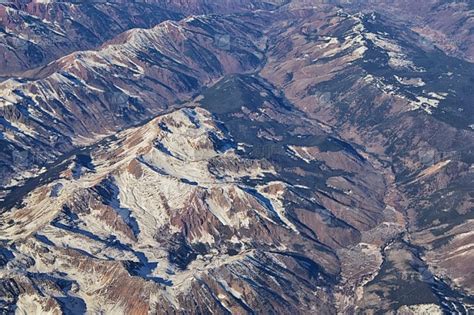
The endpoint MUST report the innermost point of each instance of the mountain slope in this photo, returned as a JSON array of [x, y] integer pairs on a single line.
[[180, 212], [302, 160], [382, 90], [34, 33], [86, 95]]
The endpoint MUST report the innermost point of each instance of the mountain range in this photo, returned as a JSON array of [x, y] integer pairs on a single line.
[[236, 157]]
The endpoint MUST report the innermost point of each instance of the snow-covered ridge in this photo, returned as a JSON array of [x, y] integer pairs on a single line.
[[87, 95], [139, 191], [398, 60]]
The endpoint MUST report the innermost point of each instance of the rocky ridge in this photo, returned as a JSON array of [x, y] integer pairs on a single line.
[[317, 163]]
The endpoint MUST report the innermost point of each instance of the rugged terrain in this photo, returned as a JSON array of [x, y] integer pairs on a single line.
[[447, 24], [258, 157]]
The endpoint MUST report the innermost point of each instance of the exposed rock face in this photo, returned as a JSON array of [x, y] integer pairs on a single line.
[[187, 230], [271, 158]]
